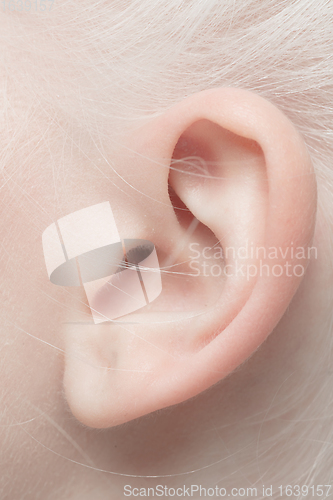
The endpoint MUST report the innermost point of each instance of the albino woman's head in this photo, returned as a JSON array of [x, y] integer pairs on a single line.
[[206, 129]]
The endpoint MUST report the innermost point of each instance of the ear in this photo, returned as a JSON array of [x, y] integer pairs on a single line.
[[237, 178]]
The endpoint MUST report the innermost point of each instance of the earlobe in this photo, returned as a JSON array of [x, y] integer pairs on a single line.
[[255, 201]]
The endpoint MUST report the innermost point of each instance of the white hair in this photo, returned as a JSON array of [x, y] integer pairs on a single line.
[[95, 66]]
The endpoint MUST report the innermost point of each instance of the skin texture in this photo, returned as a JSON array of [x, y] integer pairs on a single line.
[[58, 376], [222, 381]]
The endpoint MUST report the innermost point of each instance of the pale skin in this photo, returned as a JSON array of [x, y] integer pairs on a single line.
[[73, 379]]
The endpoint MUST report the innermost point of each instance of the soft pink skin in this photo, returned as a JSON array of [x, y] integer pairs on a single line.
[[126, 291], [160, 366]]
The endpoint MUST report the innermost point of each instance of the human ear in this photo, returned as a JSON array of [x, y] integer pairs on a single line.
[[258, 188]]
